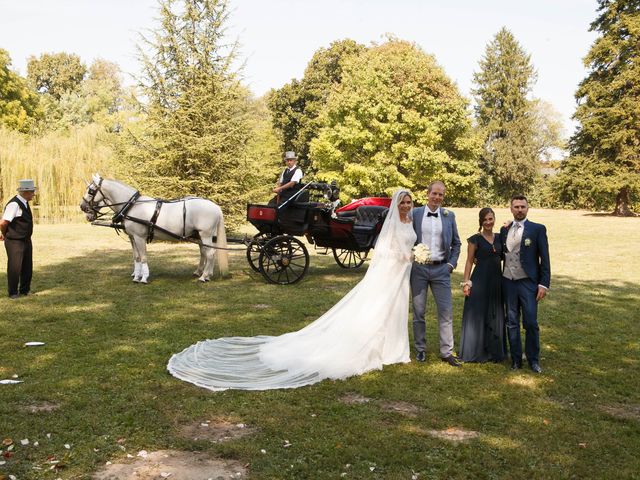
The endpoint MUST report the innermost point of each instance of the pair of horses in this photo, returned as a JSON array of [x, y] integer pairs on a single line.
[[144, 218]]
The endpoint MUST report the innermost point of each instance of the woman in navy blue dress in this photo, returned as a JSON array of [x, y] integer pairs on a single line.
[[483, 327]]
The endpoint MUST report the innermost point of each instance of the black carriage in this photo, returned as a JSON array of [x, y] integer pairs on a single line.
[[349, 232]]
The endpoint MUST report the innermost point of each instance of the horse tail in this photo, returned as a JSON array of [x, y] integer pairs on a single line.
[[221, 243]]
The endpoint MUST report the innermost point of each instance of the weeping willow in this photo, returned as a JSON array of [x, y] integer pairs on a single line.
[[59, 163]]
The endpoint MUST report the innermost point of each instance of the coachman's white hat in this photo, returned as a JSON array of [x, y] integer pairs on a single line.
[[288, 155], [27, 186]]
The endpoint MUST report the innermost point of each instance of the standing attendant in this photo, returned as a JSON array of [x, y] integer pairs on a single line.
[[16, 228], [289, 181], [483, 331], [436, 228], [525, 279]]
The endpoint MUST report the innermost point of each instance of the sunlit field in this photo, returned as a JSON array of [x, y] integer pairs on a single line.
[[107, 342]]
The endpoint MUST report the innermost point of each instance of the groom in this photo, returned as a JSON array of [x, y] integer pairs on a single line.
[[436, 228], [525, 281]]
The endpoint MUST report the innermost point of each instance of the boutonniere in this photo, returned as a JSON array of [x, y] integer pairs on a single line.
[[527, 242], [445, 212]]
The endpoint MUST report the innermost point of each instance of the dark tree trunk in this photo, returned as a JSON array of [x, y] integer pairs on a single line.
[[623, 201]]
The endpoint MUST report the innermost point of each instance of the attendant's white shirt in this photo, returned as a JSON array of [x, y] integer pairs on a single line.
[[297, 176], [13, 210], [432, 234]]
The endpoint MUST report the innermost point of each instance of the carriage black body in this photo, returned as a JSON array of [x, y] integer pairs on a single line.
[[282, 258]]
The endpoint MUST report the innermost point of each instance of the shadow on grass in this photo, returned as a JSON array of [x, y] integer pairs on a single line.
[[108, 341]]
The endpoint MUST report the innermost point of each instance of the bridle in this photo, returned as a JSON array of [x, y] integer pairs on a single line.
[[91, 204]]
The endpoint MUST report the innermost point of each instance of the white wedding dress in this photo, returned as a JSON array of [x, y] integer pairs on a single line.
[[366, 329]]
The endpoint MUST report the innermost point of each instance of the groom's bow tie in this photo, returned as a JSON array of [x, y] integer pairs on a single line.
[[431, 214]]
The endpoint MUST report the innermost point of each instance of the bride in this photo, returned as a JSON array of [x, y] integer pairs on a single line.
[[365, 330]]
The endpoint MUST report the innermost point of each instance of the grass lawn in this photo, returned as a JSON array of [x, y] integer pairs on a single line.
[[102, 370]]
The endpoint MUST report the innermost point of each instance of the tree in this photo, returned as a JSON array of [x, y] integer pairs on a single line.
[[19, 108], [396, 120], [603, 170], [56, 73], [506, 118], [196, 127], [296, 107]]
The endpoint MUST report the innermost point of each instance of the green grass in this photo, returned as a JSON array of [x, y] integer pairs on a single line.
[[108, 341]]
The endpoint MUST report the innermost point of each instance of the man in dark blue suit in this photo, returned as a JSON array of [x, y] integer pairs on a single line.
[[526, 278]]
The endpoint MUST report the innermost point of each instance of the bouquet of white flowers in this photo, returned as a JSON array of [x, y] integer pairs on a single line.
[[421, 253]]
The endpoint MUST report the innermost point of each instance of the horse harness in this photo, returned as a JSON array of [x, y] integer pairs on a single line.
[[117, 221]]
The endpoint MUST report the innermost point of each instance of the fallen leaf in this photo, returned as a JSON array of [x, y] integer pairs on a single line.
[[582, 445], [7, 441], [545, 421], [24, 441]]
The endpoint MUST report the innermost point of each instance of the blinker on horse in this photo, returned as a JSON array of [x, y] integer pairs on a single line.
[[145, 218]]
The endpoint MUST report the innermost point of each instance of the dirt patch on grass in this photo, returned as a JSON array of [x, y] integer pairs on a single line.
[[216, 430], [455, 435], [403, 408], [41, 407], [626, 412], [354, 399], [173, 465]]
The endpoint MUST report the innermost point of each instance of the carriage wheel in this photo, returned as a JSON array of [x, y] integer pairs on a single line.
[[254, 248], [349, 258], [284, 260]]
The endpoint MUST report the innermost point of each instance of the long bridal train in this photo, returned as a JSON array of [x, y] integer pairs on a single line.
[[365, 330]]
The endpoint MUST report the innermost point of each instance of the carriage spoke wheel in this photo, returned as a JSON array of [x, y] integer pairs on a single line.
[[349, 258], [284, 260], [254, 248]]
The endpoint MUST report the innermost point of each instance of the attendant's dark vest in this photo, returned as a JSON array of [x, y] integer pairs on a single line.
[[20, 227], [287, 175]]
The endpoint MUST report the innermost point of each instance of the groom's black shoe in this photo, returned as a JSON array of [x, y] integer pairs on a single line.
[[516, 365], [536, 367], [421, 356], [451, 360]]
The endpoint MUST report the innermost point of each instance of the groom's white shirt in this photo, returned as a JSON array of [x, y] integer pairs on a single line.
[[432, 233]]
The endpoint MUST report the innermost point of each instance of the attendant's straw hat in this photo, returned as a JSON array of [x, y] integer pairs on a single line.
[[27, 186]]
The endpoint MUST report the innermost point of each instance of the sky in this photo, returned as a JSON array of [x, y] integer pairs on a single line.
[[279, 37]]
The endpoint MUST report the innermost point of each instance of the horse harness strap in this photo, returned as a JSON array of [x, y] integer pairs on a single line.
[[121, 215], [152, 222]]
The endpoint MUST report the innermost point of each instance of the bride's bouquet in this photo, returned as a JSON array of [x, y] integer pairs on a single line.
[[421, 253]]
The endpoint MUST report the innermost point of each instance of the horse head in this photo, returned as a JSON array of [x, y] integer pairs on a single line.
[[93, 199]]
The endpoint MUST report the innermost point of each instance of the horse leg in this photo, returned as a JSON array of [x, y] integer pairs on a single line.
[[136, 261], [141, 247], [201, 264], [206, 253]]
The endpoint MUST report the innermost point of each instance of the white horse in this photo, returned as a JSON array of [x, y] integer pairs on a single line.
[[145, 218]]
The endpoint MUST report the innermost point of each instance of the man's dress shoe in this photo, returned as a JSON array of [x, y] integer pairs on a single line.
[[451, 360], [515, 365], [536, 368], [421, 356]]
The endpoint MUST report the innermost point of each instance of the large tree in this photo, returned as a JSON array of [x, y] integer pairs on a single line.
[[296, 107], [19, 107], [506, 118], [604, 168], [196, 125], [397, 120], [56, 73]]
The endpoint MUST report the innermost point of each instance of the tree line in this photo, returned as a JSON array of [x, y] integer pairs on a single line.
[[373, 118]]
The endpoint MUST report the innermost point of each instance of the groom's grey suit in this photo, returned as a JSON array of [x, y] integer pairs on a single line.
[[438, 277]]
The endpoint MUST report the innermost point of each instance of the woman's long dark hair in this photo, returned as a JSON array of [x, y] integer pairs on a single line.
[[483, 213]]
